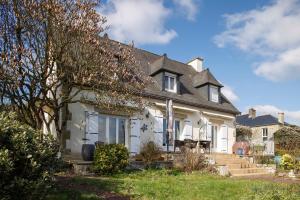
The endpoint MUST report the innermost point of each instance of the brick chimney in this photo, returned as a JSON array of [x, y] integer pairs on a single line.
[[281, 118], [197, 64], [252, 113]]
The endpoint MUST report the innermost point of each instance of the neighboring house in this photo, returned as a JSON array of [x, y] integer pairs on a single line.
[[197, 101], [263, 128]]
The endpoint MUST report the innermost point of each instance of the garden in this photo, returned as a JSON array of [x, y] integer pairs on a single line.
[[30, 169]]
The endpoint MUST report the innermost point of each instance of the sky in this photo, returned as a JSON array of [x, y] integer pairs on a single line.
[[251, 46]]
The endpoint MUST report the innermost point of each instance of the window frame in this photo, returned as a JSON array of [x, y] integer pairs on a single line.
[[167, 86], [265, 137], [211, 87]]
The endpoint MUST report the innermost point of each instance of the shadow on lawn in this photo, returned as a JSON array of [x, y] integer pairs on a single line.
[[84, 188]]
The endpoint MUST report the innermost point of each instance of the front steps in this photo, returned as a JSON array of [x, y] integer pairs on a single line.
[[238, 166]]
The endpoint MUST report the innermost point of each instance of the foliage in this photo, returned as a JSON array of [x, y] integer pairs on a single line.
[[110, 158], [150, 152], [287, 162], [27, 160], [52, 55], [193, 161], [263, 159], [273, 192], [243, 134], [167, 185], [288, 139]]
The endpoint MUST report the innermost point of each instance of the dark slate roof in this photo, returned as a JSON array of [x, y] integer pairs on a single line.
[[152, 63], [205, 77], [263, 120], [163, 63]]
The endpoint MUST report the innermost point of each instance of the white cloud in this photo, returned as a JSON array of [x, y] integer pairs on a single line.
[[229, 93], [188, 7], [140, 21], [272, 32], [292, 117]]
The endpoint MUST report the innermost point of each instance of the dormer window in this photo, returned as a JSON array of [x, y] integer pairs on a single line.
[[170, 82], [214, 94]]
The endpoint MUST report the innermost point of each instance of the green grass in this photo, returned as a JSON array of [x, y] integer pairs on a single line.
[[166, 185]]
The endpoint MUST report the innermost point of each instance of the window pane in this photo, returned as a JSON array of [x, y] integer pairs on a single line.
[[214, 94], [112, 130], [166, 82], [177, 130], [172, 83], [121, 131], [102, 129], [164, 132]]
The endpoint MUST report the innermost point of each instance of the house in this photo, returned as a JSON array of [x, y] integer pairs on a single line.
[[201, 111], [263, 128]]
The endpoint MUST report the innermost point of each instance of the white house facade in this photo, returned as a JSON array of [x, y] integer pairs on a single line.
[[201, 111]]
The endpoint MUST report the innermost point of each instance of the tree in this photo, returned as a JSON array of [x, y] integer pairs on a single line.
[[52, 55], [288, 139], [243, 133]]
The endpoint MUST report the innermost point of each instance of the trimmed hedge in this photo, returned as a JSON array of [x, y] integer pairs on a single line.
[[27, 160], [110, 158]]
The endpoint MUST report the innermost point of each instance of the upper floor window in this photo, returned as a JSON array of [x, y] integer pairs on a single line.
[[265, 134], [214, 94], [170, 82]]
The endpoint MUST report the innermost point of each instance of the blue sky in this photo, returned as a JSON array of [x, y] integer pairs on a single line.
[[251, 46]]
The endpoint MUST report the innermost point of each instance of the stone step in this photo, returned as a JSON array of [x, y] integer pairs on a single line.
[[247, 171], [251, 174], [240, 165], [225, 162]]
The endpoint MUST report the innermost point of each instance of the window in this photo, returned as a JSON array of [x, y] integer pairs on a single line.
[[265, 134], [112, 130], [176, 131], [121, 131], [170, 82], [214, 94]]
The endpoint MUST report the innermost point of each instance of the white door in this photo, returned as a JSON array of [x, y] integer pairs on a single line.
[[92, 127], [223, 138], [188, 129], [135, 129]]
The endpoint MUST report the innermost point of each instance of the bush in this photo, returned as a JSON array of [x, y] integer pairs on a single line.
[[150, 152], [287, 162], [273, 192], [27, 160], [262, 159], [193, 160], [110, 158]]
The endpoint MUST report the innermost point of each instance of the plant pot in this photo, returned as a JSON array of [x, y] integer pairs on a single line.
[[87, 152]]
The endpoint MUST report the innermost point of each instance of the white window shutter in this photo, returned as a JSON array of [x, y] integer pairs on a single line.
[[208, 131], [158, 129], [188, 129], [135, 130], [224, 139], [92, 127]]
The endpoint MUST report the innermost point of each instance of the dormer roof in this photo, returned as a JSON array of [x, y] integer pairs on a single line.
[[205, 77], [163, 63]]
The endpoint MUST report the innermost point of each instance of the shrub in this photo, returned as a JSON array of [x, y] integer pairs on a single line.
[[263, 159], [150, 152], [27, 160], [287, 162], [110, 158], [273, 192], [193, 161]]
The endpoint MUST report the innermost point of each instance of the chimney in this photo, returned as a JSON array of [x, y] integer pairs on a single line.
[[281, 118], [252, 113], [197, 64]]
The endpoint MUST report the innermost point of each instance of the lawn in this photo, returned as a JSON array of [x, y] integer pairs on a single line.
[[164, 185]]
